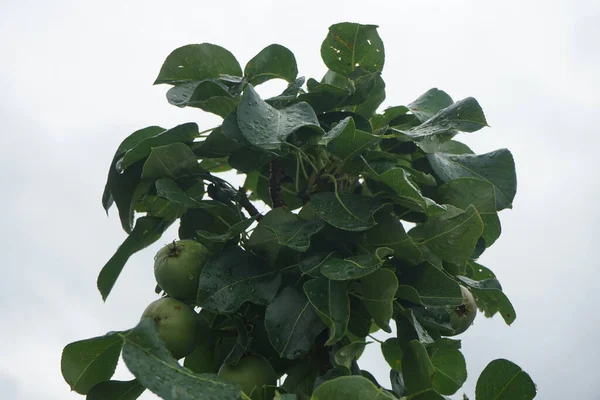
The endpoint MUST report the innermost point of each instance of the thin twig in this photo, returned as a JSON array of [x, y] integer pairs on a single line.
[[247, 205], [275, 175]]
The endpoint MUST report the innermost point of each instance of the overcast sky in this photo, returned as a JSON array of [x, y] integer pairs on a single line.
[[76, 78]]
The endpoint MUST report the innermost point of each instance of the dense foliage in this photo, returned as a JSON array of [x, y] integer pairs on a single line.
[[374, 219]]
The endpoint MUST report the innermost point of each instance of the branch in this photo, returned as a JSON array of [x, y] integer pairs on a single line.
[[275, 175], [248, 206]]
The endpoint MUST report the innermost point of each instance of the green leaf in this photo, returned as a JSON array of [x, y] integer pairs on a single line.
[[451, 236], [168, 189], [129, 143], [274, 61], [196, 62], [171, 161], [398, 187], [345, 126], [147, 230], [310, 264], [454, 147], [389, 232], [344, 356], [393, 353], [268, 128], [397, 382], [330, 300], [233, 277], [347, 211], [151, 363], [292, 323], [184, 133], [430, 103], [490, 298], [210, 95], [217, 240], [123, 188], [116, 390], [286, 229], [350, 388], [350, 46], [377, 292], [213, 217], [351, 142], [504, 380], [217, 144], [497, 168], [427, 285], [450, 370], [354, 267], [462, 192], [464, 115], [323, 96], [242, 341], [417, 369], [374, 98], [88, 362]]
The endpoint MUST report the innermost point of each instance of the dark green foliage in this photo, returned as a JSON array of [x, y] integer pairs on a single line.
[[329, 257]]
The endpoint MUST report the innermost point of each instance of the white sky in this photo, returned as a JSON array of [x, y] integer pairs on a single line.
[[76, 78]]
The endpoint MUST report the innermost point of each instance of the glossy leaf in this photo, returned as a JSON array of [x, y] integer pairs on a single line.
[[351, 142], [129, 143], [389, 232], [350, 46], [450, 370], [397, 382], [345, 126], [490, 298], [396, 185], [347, 211], [374, 98], [330, 300], [310, 264], [497, 168], [350, 388], [286, 229], [417, 369], [152, 364], [268, 128], [184, 133], [504, 380], [210, 95], [116, 390], [196, 62], [274, 61], [233, 277], [464, 115], [147, 230], [427, 285], [430, 103], [168, 189], [217, 240], [377, 292], [344, 356], [171, 161], [86, 363], [354, 267], [452, 235], [292, 323], [462, 192], [217, 144], [393, 353]]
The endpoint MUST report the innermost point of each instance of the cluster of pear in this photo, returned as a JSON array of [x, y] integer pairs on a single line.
[[177, 268]]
